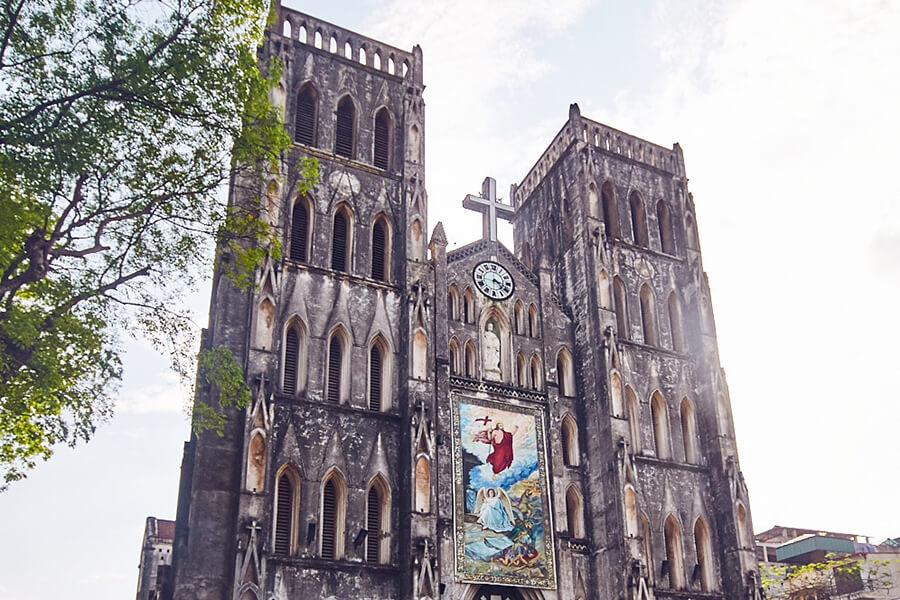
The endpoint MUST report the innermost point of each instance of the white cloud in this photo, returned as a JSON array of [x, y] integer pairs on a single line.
[[165, 396]]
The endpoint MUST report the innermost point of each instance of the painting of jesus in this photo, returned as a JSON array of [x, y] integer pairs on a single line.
[[501, 501]]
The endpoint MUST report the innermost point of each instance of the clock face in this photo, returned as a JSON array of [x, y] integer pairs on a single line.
[[493, 280]]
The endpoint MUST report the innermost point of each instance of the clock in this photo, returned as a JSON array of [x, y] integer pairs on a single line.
[[493, 280]]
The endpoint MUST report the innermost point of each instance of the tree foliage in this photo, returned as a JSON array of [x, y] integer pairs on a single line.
[[834, 577], [119, 122]]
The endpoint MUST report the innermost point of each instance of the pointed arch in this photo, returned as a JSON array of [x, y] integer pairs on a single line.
[[638, 220], [676, 325], [594, 208], [664, 222], [286, 510], [380, 370], [648, 316], [468, 306], [455, 357], [345, 128], [615, 393], [703, 545], [660, 418], [521, 371], [381, 248], [453, 302], [568, 437], [378, 521], [333, 513], [417, 235], [689, 431], [674, 553], [337, 382], [519, 318], [420, 354], [423, 485], [383, 143], [412, 144], [603, 290], [295, 357], [565, 373], [376, 60], [690, 232], [306, 115], [533, 326], [317, 40], [333, 45], [631, 511], [621, 307], [647, 544], [265, 322], [537, 377], [471, 366], [342, 238], [301, 225], [495, 318], [634, 419], [743, 525], [574, 512], [256, 462], [610, 211]]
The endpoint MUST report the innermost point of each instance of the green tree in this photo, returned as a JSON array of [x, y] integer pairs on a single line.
[[120, 121], [833, 577]]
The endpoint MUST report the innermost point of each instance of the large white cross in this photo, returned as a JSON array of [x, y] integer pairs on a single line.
[[490, 208]]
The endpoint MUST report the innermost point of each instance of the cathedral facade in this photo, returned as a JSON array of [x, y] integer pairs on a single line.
[[546, 422]]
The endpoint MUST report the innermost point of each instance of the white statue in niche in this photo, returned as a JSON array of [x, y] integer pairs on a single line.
[[491, 352]]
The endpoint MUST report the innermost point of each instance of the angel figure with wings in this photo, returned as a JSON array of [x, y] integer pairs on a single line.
[[494, 510]]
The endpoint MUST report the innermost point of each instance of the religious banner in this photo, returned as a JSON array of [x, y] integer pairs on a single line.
[[501, 502]]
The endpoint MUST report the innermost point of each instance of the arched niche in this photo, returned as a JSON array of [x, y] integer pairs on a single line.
[[494, 322]]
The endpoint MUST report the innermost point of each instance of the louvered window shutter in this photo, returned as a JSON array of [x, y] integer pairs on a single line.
[[379, 239], [299, 232], [343, 141], [373, 525], [291, 360], [283, 516], [329, 520], [564, 440], [335, 361], [382, 140], [305, 123], [339, 242], [375, 378]]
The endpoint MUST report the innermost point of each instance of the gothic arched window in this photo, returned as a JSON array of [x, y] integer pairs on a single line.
[[675, 323], [300, 228], [621, 308], [533, 328], [345, 128], [631, 513], [379, 375], [664, 221], [468, 306], [638, 220], [519, 318], [338, 353], [470, 366], [565, 373], [378, 514], [648, 316], [574, 513], [381, 249], [334, 509], [287, 496], [306, 115], [568, 437], [689, 431], [660, 425], [423, 485], [674, 553], [634, 419], [536, 377], [294, 372], [455, 357], [703, 544], [610, 211], [341, 239], [383, 129], [453, 302], [521, 371]]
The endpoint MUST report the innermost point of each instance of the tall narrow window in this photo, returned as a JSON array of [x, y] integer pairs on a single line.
[[703, 544], [300, 231], [743, 526], [455, 359], [610, 211], [453, 303], [519, 318], [375, 377], [340, 240], [631, 514], [565, 373], [305, 119], [380, 249], [574, 513], [688, 431], [675, 323], [647, 543], [420, 355], [329, 519], [660, 425], [690, 233], [256, 463], [674, 554], [382, 153], [569, 439], [423, 485], [373, 525], [634, 419], [291, 361], [521, 371], [536, 376], [345, 128], [468, 306], [603, 290], [335, 368], [638, 220], [533, 328], [593, 201], [648, 316], [286, 494], [621, 308], [664, 221], [470, 360]]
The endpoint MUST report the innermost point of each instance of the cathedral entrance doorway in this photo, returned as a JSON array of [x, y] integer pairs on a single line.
[[498, 592]]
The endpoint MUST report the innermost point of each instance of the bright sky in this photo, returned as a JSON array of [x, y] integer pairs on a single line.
[[789, 116]]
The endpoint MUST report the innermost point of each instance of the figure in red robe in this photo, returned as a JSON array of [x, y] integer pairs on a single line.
[[501, 442]]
